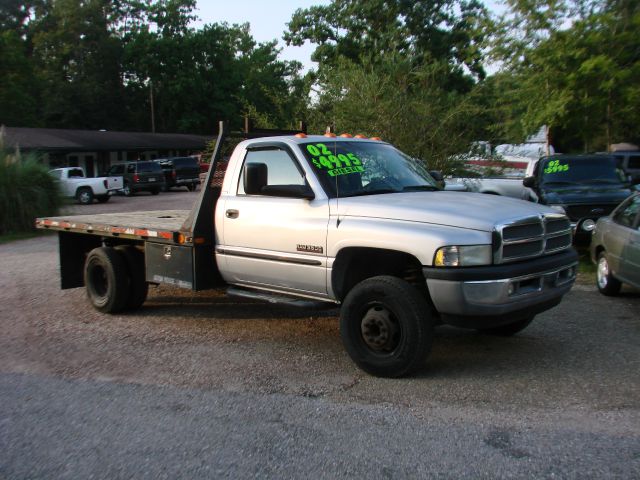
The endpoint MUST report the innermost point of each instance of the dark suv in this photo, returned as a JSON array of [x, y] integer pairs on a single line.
[[180, 171], [139, 176], [585, 187]]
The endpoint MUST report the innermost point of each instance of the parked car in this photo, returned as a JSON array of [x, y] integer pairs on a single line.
[[585, 187], [74, 184], [615, 247], [139, 176], [180, 172]]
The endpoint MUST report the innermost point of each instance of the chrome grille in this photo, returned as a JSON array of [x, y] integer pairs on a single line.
[[532, 237]]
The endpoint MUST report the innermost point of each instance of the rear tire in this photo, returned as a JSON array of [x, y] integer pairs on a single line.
[[106, 280], [606, 282], [138, 286], [509, 329], [85, 196], [155, 191], [386, 326]]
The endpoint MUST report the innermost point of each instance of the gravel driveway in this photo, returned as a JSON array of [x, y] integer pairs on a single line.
[[560, 388]]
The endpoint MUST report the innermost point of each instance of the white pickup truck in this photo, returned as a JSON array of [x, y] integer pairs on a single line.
[[74, 184], [350, 221]]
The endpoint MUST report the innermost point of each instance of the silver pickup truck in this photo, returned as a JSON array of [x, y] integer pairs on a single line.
[[350, 221]]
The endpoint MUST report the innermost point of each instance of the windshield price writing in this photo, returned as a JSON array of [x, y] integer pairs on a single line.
[[555, 167], [340, 164]]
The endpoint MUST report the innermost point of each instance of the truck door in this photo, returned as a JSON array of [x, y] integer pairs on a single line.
[[274, 240]]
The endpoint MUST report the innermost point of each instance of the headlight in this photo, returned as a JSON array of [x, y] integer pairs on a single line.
[[463, 256], [588, 225], [558, 208]]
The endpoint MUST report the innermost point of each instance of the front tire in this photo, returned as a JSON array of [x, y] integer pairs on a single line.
[[606, 282], [191, 187], [106, 280], [126, 189], [85, 196], [386, 326]]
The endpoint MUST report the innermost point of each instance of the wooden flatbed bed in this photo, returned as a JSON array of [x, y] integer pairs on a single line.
[[162, 226]]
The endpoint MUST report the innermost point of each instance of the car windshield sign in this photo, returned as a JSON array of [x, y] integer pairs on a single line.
[[355, 168], [580, 170]]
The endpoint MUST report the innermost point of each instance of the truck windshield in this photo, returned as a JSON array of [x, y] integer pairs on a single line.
[[349, 169], [561, 170]]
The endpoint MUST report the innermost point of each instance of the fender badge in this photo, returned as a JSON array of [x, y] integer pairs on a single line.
[[309, 248]]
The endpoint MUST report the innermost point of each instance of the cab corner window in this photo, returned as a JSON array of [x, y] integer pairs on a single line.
[[269, 172]]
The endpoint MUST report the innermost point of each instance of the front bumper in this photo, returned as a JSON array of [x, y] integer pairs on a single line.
[[483, 297]]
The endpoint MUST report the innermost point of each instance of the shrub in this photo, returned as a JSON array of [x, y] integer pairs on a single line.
[[27, 191]]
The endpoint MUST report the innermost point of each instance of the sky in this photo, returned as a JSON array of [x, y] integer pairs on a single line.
[[268, 20]]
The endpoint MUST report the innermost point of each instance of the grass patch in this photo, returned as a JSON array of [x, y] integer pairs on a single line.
[[27, 191], [14, 237]]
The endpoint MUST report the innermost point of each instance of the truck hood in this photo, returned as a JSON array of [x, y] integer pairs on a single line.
[[456, 209], [585, 194]]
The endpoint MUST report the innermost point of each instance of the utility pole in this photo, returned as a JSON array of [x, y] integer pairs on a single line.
[[153, 116]]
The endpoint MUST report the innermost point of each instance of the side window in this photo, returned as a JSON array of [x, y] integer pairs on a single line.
[[627, 214], [116, 170], [281, 169], [131, 168], [56, 174]]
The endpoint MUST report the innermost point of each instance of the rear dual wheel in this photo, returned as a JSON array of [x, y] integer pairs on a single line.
[[114, 278]]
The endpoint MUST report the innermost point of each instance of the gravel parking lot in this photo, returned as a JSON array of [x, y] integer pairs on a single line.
[[561, 399]]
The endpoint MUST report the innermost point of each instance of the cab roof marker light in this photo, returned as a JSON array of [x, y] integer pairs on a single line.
[[330, 135], [377, 139], [360, 136], [346, 135], [301, 135]]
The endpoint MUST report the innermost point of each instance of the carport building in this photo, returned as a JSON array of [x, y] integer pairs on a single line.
[[97, 150]]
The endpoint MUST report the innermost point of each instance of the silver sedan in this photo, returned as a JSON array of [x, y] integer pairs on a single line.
[[615, 247]]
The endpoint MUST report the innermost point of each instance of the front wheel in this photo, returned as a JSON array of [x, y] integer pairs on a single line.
[[191, 187], [85, 196], [606, 282], [126, 189], [386, 326]]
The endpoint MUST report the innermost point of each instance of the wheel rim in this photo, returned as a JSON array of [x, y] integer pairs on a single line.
[[380, 329], [602, 273], [84, 197]]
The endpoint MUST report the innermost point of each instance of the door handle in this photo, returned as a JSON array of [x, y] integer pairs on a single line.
[[232, 213]]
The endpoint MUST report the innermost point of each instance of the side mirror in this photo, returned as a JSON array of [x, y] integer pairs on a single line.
[[529, 182], [437, 175], [255, 178]]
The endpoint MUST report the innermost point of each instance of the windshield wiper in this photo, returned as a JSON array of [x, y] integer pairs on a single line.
[[559, 182], [374, 192], [601, 180], [420, 188]]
